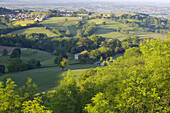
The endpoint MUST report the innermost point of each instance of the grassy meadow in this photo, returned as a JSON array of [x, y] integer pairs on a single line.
[[108, 31], [36, 30], [46, 59], [46, 78], [59, 23], [23, 22]]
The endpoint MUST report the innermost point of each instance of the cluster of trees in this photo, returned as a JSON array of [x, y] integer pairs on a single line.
[[57, 32], [17, 64], [14, 100], [87, 29], [53, 13], [60, 46], [153, 24]]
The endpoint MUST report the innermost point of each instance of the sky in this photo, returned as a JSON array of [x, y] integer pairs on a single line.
[[138, 0], [158, 1], [123, 1]]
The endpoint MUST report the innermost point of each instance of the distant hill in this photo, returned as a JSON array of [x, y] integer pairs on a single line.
[[41, 1]]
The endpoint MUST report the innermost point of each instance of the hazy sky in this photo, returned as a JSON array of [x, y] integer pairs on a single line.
[[123, 1], [167, 1]]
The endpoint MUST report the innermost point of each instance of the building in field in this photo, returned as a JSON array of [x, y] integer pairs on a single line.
[[76, 56]]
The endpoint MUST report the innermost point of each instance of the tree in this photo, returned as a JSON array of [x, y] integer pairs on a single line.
[[15, 54], [101, 59], [58, 59], [119, 29], [101, 104], [32, 63], [65, 99], [9, 99], [16, 65], [28, 91], [66, 19], [63, 63], [38, 64], [126, 45], [2, 69], [68, 32], [34, 106], [103, 23], [79, 32], [4, 52]]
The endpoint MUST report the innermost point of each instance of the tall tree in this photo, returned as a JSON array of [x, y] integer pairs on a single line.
[[63, 63], [4, 52]]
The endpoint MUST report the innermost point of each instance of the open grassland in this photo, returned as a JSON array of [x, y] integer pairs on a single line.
[[38, 13], [23, 22], [60, 23], [109, 30], [46, 78], [46, 59], [4, 60], [36, 30]]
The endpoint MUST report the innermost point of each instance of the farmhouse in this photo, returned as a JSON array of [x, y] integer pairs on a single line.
[[76, 56]]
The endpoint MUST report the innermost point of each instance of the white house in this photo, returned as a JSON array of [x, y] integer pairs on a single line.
[[76, 56]]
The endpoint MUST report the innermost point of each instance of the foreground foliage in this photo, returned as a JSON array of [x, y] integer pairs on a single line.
[[136, 82]]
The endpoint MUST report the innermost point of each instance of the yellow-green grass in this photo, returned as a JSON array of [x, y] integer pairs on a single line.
[[46, 78], [36, 30], [60, 23], [38, 13], [108, 30], [23, 22], [152, 35], [143, 34]]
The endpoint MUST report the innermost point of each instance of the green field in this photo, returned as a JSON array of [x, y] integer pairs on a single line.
[[36, 30], [46, 78], [60, 23], [38, 13], [45, 58], [107, 31], [23, 22]]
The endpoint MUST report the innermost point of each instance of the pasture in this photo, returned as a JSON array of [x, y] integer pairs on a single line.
[[46, 78], [108, 31], [59, 23], [36, 30], [23, 22], [46, 59]]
